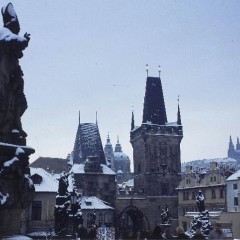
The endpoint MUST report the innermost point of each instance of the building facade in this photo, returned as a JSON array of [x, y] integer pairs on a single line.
[[95, 179], [211, 182], [233, 192]]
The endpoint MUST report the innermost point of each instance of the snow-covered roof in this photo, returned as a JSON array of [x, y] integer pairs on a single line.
[[49, 182], [172, 124], [119, 171], [204, 163], [79, 168], [130, 183], [234, 176], [93, 203]]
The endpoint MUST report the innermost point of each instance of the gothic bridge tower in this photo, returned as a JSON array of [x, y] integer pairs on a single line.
[[156, 145]]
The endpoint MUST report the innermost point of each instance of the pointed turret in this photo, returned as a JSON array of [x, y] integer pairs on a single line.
[[231, 150], [132, 123], [154, 107], [231, 146], [179, 122], [238, 144], [118, 147]]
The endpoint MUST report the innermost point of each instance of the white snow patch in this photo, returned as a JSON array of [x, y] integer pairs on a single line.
[[10, 162], [18, 151], [3, 198]]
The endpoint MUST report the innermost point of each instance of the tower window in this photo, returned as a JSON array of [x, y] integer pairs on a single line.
[[139, 168], [235, 186]]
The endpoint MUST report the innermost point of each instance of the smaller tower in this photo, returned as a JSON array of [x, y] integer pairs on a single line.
[[179, 121], [108, 150], [231, 149], [238, 144], [132, 123]]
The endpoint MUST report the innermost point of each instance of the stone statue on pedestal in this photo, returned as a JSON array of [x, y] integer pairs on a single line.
[[12, 99], [16, 186]]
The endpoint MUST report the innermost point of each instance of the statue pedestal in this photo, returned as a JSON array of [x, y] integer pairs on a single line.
[[16, 187]]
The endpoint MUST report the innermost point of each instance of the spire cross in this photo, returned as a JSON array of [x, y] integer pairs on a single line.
[[178, 98], [147, 69], [159, 70]]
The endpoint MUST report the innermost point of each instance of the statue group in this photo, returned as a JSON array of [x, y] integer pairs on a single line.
[[16, 188]]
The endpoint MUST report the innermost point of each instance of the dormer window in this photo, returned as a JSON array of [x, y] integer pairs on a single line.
[[88, 203], [37, 179]]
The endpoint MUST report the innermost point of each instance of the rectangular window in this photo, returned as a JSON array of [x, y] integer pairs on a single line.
[[193, 196], [235, 186], [90, 185], [213, 194], [221, 195], [106, 186], [235, 201], [36, 210]]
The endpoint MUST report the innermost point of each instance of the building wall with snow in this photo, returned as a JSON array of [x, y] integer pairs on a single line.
[[233, 192]]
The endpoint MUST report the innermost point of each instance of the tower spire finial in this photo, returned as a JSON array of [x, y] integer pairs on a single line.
[[96, 118], [159, 70], [132, 123], [179, 122], [79, 118], [147, 69]]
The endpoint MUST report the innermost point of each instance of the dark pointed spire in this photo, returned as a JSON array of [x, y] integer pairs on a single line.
[[118, 147], [231, 146], [132, 123], [79, 118], [238, 144], [179, 122], [154, 107]]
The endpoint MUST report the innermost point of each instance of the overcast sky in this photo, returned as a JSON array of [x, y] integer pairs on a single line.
[[91, 56]]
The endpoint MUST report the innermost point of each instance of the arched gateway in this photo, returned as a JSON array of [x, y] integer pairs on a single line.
[[130, 222]]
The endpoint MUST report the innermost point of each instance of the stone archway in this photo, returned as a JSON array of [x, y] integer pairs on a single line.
[[130, 222]]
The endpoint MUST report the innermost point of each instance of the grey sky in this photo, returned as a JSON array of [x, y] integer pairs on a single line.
[[91, 55]]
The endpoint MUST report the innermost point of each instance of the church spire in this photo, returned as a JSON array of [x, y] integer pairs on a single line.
[[79, 118], [179, 122], [238, 144], [132, 123], [118, 147], [108, 138], [154, 106], [231, 146]]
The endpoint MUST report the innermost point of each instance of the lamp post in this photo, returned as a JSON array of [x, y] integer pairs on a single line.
[[74, 208]]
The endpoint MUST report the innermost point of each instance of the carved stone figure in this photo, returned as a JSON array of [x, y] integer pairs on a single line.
[[200, 201], [12, 99], [16, 186], [63, 184]]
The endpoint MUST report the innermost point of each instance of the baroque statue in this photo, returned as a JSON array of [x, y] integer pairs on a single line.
[[16, 186], [12, 99]]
